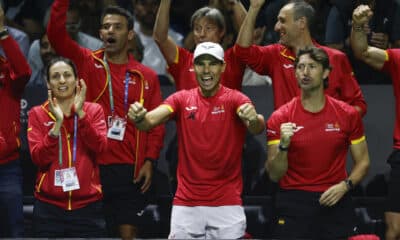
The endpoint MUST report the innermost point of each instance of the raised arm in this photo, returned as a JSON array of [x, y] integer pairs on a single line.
[[234, 8], [147, 120], [160, 34], [57, 33], [373, 56], [245, 36], [18, 66]]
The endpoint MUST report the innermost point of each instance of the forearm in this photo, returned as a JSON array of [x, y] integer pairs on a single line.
[[238, 14], [93, 132], [277, 164], [19, 67], [245, 36], [361, 164], [161, 24], [359, 41]]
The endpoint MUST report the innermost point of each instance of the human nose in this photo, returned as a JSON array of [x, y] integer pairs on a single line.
[[206, 68], [62, 79], [277, 26]]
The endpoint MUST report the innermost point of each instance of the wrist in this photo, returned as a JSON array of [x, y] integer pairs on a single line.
[[80, 114], [153, 162], [357, 27], [3, 33], [349, 184], [54, 134], [138, 121], [283, 148]]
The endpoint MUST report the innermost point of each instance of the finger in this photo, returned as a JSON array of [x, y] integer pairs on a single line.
[[78, 88], [83, 86], [146, 184], [138, 178]]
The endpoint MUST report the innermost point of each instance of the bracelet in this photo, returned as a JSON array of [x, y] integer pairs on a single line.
[[282, 148], [358, 28]]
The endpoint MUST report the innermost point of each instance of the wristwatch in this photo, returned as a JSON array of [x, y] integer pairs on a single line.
[[3, 33], [349, 184]]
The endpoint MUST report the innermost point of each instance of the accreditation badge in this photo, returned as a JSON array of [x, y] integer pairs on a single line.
[[70, 179], [117, 127], [58, 178]]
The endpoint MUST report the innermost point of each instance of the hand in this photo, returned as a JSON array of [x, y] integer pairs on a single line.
[[361, 15], [333, 194], [257, 3], [1, 17], [136, 112], [145, 172], [287, 131], [379, 40], [80, 97], [247, 112], [55, 108]]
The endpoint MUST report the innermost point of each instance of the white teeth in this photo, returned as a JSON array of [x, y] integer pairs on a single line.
[[62, 88]]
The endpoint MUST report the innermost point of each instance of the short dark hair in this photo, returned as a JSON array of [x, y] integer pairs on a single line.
[[303, 9], [210, 13], [56, 60], [317, 54], [118, 11]]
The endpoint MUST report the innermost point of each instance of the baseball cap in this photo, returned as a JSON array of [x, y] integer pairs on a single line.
[[210, 48]]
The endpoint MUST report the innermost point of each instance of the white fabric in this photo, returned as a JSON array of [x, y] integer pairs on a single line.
[[200, 222], [152, 56], [210, 48]]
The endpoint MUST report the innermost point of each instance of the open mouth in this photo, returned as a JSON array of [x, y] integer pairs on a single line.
[[305, 80], [62, 89], [207, 80], [110, 41]]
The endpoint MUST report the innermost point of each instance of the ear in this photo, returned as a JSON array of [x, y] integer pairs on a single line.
[[221, 35], [326, 73], [100, 35], [302, 22], [223, 67], [131, 34]]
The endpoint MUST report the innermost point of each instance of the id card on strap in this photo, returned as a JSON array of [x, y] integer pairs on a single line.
[[117, 127]]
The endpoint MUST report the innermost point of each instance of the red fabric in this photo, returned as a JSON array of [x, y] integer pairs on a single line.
[[14, 74], [185, 77], [210, 140], [277, 61], [137, 145], [392, 67], [364, 237], [318, 149], [91, 141]]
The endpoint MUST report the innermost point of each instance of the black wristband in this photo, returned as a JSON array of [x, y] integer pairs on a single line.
[[349, 184], [282, 148]]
